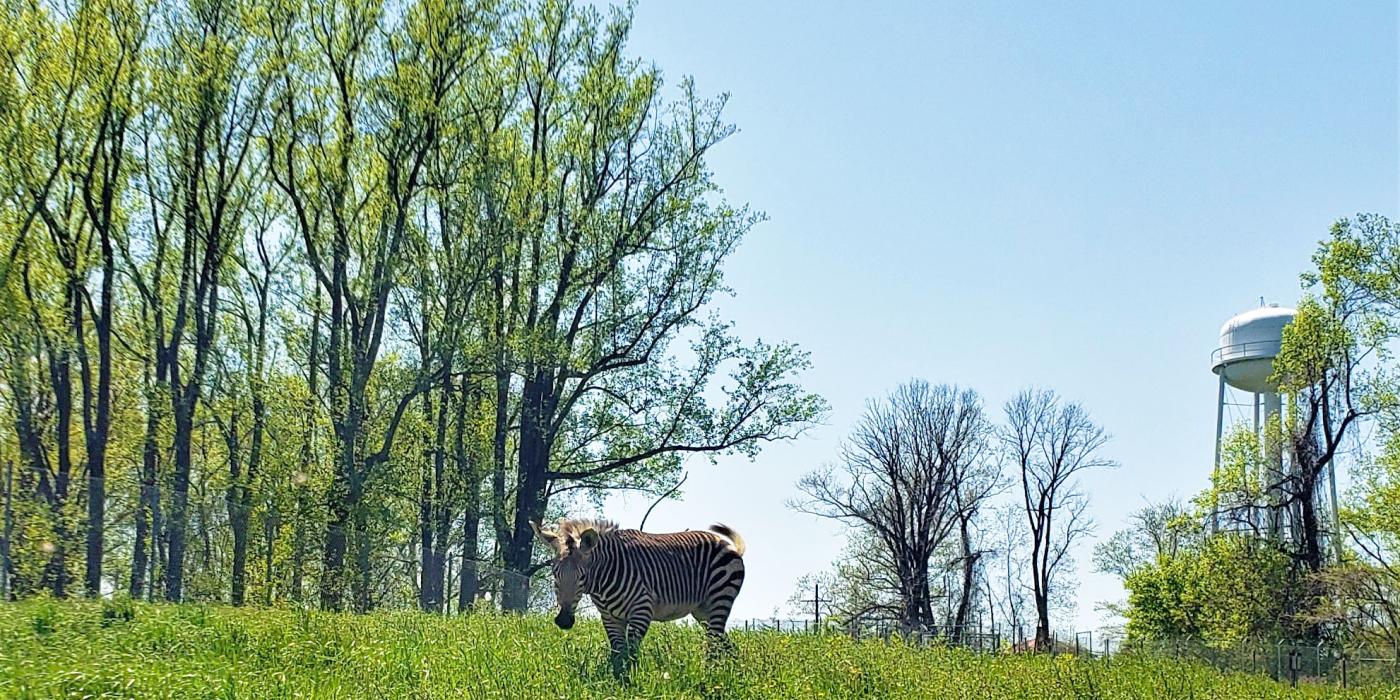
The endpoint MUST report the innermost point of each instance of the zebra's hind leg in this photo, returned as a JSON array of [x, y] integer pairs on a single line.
[[717, 642]]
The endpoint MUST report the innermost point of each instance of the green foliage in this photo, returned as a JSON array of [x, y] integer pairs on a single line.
[[169, 652], [1226, 591], [273, 235]]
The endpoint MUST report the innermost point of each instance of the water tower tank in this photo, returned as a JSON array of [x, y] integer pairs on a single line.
[[1248, 344]]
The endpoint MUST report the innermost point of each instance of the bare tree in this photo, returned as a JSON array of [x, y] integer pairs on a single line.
[[1155, 531], [1005, 581], [900, 474], [980, 480], [1051, 442]]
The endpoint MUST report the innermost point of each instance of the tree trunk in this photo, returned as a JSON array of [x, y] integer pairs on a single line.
[[101, 425], [426, 598], [442, 513], [1310, 539], [238, 502], [969, 568], [467, 580], [158, 545], [299, 547], [363, 596], [338, 508], [254, 464], [146, 511], [56, 573], [178, 516], [498, 459], [1043, 642], [529, 495], [308, 452], [431, 509]]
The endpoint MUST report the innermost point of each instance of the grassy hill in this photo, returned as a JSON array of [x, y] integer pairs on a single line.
[[90, 650]]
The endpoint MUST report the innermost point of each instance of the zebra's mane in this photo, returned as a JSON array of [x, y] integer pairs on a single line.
[[571, 528]]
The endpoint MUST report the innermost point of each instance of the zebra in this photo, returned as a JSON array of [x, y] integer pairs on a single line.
[[635, 578]]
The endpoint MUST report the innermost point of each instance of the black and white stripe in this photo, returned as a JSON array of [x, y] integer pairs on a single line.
[[635, 578]]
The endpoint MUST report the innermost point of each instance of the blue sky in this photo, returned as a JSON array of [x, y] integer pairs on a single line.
[[1000, 195]]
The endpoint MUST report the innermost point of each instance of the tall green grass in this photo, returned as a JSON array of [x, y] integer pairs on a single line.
[[121, 650]]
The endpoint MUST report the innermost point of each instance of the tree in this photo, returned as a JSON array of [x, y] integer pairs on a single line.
[[861, 587], [344, 261], [1222, 592], [204, 123], [1155, 531], [1334, 363], [259, 264], [621, 238], [1361, 595], [1005, 581], [353, 212], [1051, 443], [900, 477], [68, 115], [981, 479]]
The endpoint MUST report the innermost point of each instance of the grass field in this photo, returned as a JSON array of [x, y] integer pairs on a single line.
[[91, 650]]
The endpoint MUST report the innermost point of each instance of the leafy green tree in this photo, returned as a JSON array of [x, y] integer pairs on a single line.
[[619, 243], [342, 262], [1335, 361], [1221, 593]]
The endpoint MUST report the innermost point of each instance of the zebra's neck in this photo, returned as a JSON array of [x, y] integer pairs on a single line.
[[600, 559]]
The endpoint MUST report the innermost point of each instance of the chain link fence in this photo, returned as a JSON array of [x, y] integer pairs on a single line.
[[1287, 661]]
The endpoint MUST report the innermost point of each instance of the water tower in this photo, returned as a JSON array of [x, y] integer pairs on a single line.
[[1244, 361]]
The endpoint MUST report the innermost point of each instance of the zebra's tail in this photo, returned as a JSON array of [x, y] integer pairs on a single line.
[[726, 531]]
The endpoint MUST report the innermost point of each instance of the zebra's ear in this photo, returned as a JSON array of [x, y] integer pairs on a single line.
[[587, 540], [550, 538]]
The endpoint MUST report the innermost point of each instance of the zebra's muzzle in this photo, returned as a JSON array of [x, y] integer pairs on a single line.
[[565, 618]]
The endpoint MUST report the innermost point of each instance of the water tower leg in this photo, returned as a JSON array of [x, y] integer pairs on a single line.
[[1273, 458], [1219, 433]]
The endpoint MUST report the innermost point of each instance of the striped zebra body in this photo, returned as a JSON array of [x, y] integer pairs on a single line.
[[636, 578]]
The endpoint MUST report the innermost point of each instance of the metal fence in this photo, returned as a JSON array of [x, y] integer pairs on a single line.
[[1288, 661]]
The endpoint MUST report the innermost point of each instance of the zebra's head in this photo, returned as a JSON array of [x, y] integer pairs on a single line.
[[572, 550]]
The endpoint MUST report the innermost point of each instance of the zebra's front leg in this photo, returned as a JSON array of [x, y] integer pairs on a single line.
[[616, 628], [637, 624]]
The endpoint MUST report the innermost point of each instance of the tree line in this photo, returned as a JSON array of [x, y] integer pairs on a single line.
[[917, 481], [328, 300], [960, 521]]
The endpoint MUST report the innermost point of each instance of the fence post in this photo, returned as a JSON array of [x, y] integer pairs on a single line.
[[1344, 669]]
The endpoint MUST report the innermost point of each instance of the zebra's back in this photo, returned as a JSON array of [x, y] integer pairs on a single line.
[[696, 572]]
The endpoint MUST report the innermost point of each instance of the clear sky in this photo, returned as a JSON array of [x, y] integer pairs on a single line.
[[1067, 195]]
